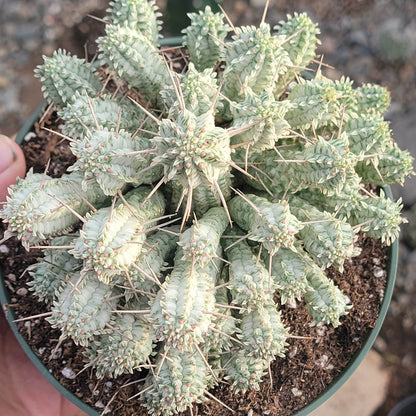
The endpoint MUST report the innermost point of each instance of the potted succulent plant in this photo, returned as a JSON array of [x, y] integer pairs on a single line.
[[205, 196]]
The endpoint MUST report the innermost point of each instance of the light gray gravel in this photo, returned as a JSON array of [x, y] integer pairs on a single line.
[[29, 29]]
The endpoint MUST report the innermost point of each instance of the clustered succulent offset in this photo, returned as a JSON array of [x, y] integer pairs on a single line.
[[196, 196]]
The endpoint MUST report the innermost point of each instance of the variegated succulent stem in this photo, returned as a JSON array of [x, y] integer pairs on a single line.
[[254, 60], [301, 40], [326, 303], [51, 275], [184, 307], [371, 99], [200, 242], [114, 159], [63, 76], [82, 309], [324, 164], [121, 350], [196, 91], [328, 240], [288, 270], [263, 332], [393, 166], [204, 38], [379, 217], [128, 52], [40, 207], [270, 223], [318, 102], [273, 173], [262, 117], [112, 238], [376, 215], [250, 282], [182, 379], [146, 272], [87, 114], [348, 199], [367, 134], [243, 371], [140, 15], [221, 333], [298, 276], [192, 149], [320, 163]]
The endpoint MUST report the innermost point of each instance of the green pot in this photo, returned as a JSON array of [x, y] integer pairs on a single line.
[[330, 390], [407, 407]]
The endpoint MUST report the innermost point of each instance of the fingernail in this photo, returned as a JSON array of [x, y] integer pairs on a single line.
[[7, 154]]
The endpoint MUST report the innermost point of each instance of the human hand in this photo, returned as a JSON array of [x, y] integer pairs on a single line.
[[12, 165], [23, 390]]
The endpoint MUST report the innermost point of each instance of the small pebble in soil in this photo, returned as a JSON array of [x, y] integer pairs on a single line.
[[378, 272], [11, 277], [93, 390], [68, 373], [324, 363], [296, 392], [29, 136], [22, 291], [407, 360], [321, 330], [107, 386], [293, 351], [55, 354], [99, 404], [4, 249]]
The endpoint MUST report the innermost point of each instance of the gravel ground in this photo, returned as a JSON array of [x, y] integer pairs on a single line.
[[367, 40]]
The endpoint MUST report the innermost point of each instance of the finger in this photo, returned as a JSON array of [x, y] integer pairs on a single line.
[[12, 165], [23, 389]]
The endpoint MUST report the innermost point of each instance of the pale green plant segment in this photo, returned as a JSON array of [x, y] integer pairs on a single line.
[[51, 275], [142, 16], [205, 38], [112, 236], [249, 279], [212, 184], [71, 74]]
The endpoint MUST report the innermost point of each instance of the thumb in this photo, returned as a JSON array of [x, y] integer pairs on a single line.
[[12, 165]]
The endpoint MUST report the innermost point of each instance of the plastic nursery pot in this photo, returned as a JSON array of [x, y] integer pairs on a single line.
[[330, 390], [406, 407], [176, 12]]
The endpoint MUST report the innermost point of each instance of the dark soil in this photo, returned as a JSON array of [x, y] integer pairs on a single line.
[[313, 360]]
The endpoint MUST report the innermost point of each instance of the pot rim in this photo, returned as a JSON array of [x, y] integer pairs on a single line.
[[393, 254], [403, 405]]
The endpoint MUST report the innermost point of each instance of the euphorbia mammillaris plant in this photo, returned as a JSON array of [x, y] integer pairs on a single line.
[[197, 196]]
